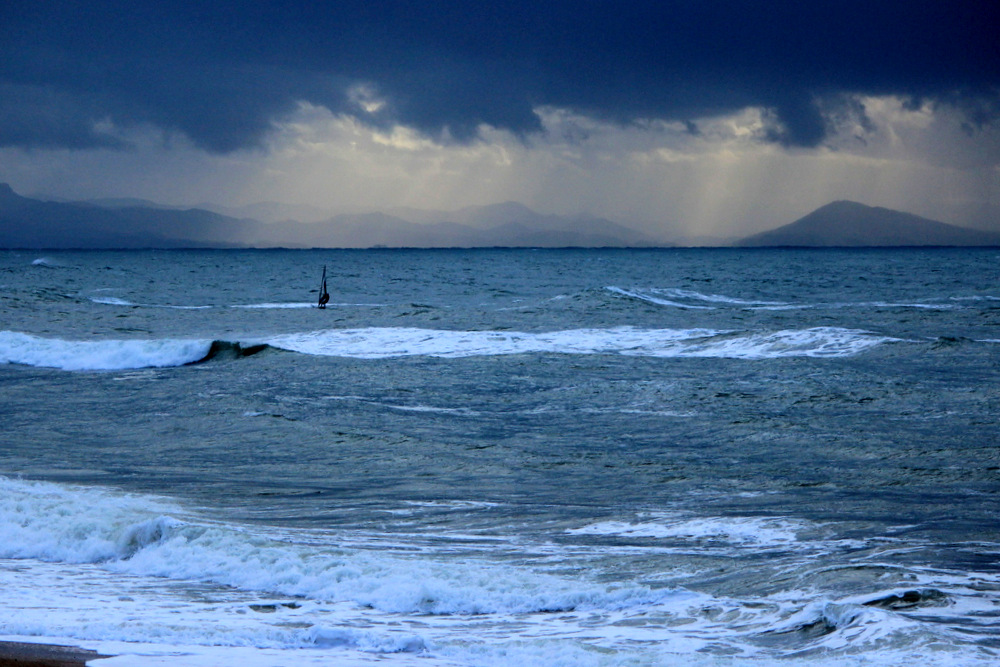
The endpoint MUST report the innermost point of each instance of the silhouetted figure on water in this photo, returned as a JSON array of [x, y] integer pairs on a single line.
[[324, 296]]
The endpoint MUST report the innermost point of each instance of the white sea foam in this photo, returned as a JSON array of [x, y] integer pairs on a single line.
[[842, 624], [754, 531], [682, 298], [139, 536], [142, 578], [77, 355], [814, 342], [83, 603], [274, 306], [58, 523], [111, 301], [114, 301], [651, 297], [377, 343], [299, 304], [381, 343], [433, 409], [690, 299], [891, 304]]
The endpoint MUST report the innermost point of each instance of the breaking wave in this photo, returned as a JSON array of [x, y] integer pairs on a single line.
[[147, 536], [742, 531], [378, 343], [690, 299], [111, 301], [388, 342], [682, 298], [321, 594], [99, 355]]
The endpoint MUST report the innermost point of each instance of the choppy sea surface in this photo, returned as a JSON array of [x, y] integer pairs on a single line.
[[503, 457]]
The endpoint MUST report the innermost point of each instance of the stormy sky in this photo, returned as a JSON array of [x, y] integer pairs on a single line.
[[695, 117]]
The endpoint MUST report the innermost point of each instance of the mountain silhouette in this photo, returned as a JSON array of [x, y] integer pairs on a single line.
[[850, 224], [131, 223]]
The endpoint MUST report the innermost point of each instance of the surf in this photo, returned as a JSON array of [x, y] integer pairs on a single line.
[[148, 536], [391, 342], [116, 355], [382, 343]]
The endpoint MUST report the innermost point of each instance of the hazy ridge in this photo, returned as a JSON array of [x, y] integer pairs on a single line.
[[136, 223], [850, 224], [130, 223]]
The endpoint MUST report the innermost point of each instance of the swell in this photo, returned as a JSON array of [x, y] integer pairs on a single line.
[[112, 355], [145, 536], [682, 298], [389, 342], [692, 300], [381, 343], [223, 349]]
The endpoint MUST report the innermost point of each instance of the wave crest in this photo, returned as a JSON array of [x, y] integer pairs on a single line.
[[99, 355], [380, 343], [388, 342], [115, 355], [138, 536], [682, 298], [144, 534]]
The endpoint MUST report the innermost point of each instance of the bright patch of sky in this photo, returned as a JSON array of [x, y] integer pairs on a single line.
[[718, 176]]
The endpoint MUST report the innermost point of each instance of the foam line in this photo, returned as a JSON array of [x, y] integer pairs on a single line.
[[379, 343], [103, 355], [388, 342]]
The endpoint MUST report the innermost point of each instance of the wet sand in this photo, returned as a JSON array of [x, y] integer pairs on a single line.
[[22, 654]]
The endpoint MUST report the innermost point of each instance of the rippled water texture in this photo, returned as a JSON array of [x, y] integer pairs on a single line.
[[505, 457]]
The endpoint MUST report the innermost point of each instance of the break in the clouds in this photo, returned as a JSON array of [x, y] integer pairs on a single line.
[[637, 110]]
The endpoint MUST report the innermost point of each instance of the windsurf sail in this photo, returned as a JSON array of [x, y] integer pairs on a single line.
[[324, 296]]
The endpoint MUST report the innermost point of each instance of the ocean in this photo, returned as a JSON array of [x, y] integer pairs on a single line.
[[503, 457]]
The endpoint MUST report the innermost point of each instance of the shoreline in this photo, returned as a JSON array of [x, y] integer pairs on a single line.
[[27, 654]]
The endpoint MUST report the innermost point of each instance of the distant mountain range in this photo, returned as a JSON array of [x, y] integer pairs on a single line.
[[31, 223], [136, 223], [849, 224]]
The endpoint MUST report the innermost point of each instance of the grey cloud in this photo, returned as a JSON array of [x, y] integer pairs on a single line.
[[221, 73]]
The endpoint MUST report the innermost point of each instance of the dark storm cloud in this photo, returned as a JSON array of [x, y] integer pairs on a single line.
[[220, 72]]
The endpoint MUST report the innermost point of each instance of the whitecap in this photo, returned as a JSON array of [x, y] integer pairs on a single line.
[[465, 412], [111, 301], [98, 355], [389, 342], [682, 298], [650, 298], [753, 531], [299, 304], [115, 301], [134, 535], [978, 297], [380, 343], [276, 306]]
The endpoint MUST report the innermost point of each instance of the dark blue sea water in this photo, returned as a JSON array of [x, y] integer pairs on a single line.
[[503, 457]]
